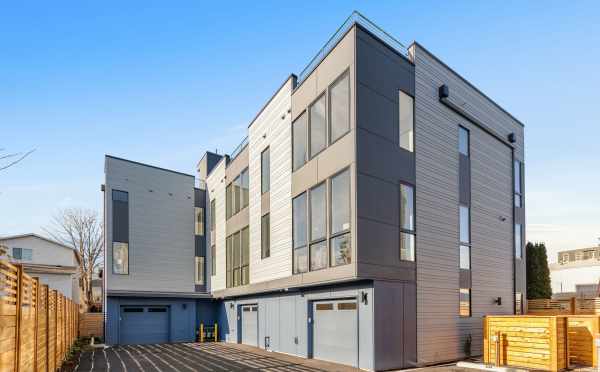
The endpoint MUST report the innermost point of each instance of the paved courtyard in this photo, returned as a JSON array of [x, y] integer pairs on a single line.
[[215, 357]]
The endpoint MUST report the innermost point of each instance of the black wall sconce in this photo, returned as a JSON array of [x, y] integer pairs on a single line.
[[363, 297], [498, 301]]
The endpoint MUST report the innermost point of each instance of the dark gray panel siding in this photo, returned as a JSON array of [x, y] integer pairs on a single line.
[[200, 245]]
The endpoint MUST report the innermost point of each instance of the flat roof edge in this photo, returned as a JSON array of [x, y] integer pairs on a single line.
[[149, 165]]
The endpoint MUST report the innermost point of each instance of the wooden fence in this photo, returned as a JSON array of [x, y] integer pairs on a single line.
[[37, 324], [538, 342], [569, 306], [91, 324]]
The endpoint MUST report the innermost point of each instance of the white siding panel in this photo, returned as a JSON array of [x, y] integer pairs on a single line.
[[215, 186]]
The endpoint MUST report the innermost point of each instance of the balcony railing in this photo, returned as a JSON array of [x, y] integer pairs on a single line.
[[357, 18], [238, 149]]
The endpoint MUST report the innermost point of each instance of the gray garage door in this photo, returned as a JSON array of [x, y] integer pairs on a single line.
[[249, 325], [144, 325], [335, 331]]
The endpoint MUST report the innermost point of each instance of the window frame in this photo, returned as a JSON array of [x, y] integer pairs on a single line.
[[264, 189], [265, 250], [306, 245], [412, 150], [315, 241], [518, 256], [468, 132], [518, 195], [306, 139], [470, 292], [199, 262], [324, 95], [330, 140], [14, 256], [333, 235], [199, 226], [403, 230]]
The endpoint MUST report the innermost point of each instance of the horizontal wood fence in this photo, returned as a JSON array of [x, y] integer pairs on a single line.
[[91, 324], [569, 306], [38, 325], [538, 342], [582, 330]]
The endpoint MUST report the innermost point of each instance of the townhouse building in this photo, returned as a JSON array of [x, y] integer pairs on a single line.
[[372, 216]]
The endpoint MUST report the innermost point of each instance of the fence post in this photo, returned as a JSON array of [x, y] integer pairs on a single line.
[[18, 317], [37, 315], [573, 304]]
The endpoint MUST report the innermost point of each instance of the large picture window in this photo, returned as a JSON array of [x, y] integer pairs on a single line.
[[299, 136], [407, 223], [339, 108], [406, 121], [120, 258], [318, 126]]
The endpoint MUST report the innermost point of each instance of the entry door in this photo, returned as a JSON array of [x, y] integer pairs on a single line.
[[144, 325], [250, 325], [335, 331]]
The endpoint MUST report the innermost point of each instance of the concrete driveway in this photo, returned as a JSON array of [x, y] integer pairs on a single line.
[[215, 357]]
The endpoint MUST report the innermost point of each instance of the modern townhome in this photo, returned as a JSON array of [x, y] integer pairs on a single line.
[[372, 216], [55, 264]]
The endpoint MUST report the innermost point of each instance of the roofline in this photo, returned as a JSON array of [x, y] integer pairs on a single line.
[[149, 165], [290, 76], [34, 235], [218, 163], [204, 155], [467, 82]]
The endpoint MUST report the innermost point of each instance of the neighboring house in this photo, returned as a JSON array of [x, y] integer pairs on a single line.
[[56, 264], [577, 273], [372, 217]]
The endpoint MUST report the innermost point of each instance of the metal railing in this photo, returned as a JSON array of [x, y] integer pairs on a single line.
[[238, 149], [354, 18]]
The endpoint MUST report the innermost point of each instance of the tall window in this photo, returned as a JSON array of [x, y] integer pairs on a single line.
[[299, 135], [518, 183], [318, 126], [407, 223], [465, 237], [120, 233], [463, 141], [213, 259], [265, 236], [237, 194], [199, 270], [229, 200], [464, 301], [406, 120], [300, 256], [518, 303], [339, 108], [518, 241], [237, 258], [199, 221], [265, 171], [245, 268], [341, 252], [318, 227], [229, 260], [245, 188], [213, 214]]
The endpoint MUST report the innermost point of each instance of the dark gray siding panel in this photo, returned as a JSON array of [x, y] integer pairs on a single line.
[[120, 221], [381, 158], [200, 198], [377, 114], [464, 183], [378, 200], [200, 246]]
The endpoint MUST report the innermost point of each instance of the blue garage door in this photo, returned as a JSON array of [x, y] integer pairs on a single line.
[[144, 325]]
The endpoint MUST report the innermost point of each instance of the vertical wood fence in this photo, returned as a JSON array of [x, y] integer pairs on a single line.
[[38, 325]]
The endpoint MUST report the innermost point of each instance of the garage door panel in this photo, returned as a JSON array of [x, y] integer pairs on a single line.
[[249, 325], [335, 331], [144, 325]]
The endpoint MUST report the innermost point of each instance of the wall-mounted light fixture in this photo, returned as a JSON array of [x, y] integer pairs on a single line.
[[364, 297], [498, 301]]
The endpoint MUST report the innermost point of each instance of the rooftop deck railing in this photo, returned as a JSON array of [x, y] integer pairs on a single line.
[[354, 18], [238, 149]]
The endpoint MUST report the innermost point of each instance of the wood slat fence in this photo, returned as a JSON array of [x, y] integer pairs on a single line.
[[38, 325], [568, 306]]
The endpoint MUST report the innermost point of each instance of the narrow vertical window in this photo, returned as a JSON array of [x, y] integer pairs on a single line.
[[299, 216], [265, 171], [518, 241], [199, 270], [318, 227], [406, 121], [463, 141], [120, 233], [245, 265], [213, 214], [339, 108], [245, 188], [465, 257], [299, 138], [265, 235], [464, 224], [340, 248], [518, 183], [229, 200], [229, 261], [464, 302], [518, 303], [407, 223], [237, 195], [318, 126], [199, 221], [120, 258], [213, 259], [237, 259]]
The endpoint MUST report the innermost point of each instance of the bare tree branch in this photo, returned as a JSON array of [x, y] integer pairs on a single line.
[[22, 156], [82, 230]]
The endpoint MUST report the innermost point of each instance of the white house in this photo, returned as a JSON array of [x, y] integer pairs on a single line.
[[577, 272], [56, 264]]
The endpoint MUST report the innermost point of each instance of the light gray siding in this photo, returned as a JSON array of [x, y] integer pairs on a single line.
[[161, 228], [441, 332]]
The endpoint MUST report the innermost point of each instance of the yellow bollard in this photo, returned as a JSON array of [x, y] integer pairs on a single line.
[[216, 332], [201, 332]]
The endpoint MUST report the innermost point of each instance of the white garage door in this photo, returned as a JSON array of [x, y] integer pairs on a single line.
[[250, 325], [335, 331]]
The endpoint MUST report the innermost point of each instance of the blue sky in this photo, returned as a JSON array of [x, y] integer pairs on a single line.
[[162, 82]]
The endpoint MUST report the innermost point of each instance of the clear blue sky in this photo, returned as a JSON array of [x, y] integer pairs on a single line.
[[162, 82]]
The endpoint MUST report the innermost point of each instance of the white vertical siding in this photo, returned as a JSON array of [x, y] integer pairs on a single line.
[[215, 186], [272, 128]]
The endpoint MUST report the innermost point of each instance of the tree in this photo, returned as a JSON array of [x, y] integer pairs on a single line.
[[538, 273], [82, 230], [8, 160]]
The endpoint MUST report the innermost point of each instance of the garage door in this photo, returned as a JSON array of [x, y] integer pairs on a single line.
[[335, 331], [250, 325], [144, 325]]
